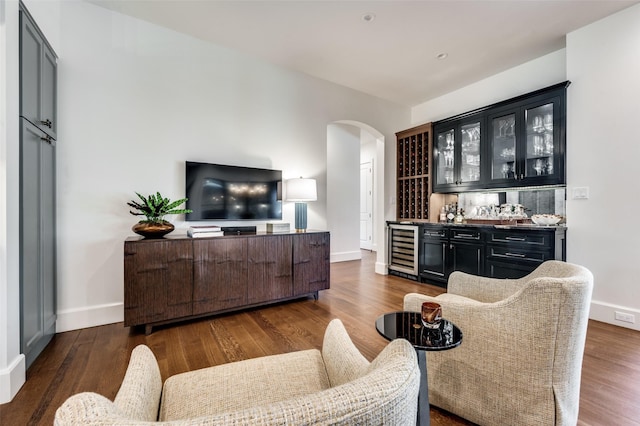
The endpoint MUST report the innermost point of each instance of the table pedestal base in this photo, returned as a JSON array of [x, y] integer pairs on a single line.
[[424, 414]]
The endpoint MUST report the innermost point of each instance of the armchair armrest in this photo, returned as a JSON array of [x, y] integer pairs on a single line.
[[342, 360], [139, 394]]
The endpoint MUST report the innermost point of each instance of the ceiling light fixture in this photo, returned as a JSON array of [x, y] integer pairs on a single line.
[[368, 17], [442, 56]]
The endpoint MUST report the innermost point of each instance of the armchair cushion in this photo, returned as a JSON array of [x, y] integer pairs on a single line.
[[240, 385]]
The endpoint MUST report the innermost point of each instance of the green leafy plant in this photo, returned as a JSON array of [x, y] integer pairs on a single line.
[[156, 207]]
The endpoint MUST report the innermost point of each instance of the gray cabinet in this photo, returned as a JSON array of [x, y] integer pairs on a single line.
[[37, 240], [37, 190], [38, 76]]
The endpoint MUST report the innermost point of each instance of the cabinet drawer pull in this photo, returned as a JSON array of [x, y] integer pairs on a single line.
[[466, 236], [515, 254], [435, 234], [515, 238]]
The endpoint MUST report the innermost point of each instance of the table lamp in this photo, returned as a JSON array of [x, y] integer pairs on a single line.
[[301, 190]]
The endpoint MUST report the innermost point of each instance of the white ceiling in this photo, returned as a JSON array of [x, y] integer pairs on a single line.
[[394, 55]]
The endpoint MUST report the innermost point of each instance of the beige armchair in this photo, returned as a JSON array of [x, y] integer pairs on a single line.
[[337, 386], [521, 357]]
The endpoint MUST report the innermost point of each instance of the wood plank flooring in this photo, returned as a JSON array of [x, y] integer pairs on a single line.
[[95, 359]]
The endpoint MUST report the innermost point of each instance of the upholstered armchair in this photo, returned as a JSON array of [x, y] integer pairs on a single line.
[[521, 358], [335, 386]]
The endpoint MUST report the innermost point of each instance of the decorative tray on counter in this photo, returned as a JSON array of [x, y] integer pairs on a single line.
[[498, 221]]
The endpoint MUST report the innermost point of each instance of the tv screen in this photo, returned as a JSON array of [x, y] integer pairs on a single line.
[[224, 192]]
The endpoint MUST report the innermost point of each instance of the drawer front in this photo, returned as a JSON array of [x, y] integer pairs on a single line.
[[466, 234], [531, 239], [518, 254], [439, 233]]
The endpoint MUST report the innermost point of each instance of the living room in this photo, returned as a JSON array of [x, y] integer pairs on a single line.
[[122, 81]]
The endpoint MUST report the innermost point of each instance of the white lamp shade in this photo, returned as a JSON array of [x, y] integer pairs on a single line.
[[300, 189]]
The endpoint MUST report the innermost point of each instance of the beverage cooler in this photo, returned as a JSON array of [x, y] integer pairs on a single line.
[[403, 250]]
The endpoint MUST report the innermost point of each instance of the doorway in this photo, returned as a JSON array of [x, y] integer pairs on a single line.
[[366, 205]]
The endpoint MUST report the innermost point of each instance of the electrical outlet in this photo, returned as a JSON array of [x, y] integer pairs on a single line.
[[623, 316], [581, 193]]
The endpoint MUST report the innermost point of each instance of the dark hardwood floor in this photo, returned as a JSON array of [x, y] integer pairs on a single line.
[[95, 359]]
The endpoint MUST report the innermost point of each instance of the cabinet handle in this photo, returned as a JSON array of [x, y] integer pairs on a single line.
[[464, 236], [515, 238], [514, 254], [47, 123], [48, 140], [435, 234]]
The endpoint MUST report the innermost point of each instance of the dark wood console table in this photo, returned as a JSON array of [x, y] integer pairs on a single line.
[[177, 278]]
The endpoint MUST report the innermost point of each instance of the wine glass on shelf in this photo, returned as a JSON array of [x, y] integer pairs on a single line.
[[538, 166]]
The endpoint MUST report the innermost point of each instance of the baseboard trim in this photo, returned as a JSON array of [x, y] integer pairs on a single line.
[[382, 268], [90, 316], [605, 312], [345, 256], [12, 378]]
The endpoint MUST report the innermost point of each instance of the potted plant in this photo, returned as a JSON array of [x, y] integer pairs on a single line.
[[155, 208]]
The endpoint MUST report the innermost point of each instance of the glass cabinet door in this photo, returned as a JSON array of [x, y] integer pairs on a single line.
[[503, 147], [445, 145], [540, 141], [470, 152]]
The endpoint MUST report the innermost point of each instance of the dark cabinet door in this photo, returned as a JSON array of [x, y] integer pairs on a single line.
[[527, 142], [433, 260], [310, 263], [220, 274], [38, 78], [37, 240], [434, 246], [458, 154], [467, 258], [158, 281], [466, 250], [269, 268]]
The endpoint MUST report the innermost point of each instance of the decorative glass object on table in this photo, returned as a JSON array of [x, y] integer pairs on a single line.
[[540, 143], [503, 143], [445, 145], [431, 315], [470, 165]]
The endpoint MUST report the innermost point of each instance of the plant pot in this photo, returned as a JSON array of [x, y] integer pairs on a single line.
[[152, 229]]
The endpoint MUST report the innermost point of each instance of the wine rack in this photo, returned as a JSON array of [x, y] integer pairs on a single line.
[[413, 173]]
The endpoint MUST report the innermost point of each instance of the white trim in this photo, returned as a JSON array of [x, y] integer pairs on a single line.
[[345, 256], [12, 378], [382, 268], [91, 316], [605, 312]]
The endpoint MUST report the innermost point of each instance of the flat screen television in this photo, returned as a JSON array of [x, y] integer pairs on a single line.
[[225, 192]]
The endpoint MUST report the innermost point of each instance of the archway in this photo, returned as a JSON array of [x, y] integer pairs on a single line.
[[344, 140]]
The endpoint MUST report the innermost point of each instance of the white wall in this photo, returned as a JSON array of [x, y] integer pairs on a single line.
[[603, 63], [12, 364], [541, 72], [343, 191], [136, 101]]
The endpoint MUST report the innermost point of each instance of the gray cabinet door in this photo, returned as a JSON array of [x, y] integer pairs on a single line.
[[38, 76], [37, 240]]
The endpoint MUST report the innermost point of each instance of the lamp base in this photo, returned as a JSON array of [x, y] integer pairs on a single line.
[[301, 217]]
